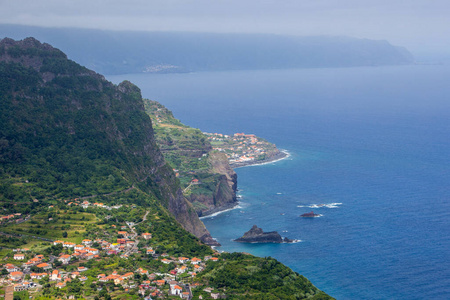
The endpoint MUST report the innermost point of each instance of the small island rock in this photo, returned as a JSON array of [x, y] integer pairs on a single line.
[[310, 215], [257, 235]]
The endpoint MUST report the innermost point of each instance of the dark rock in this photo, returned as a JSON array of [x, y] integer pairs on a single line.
[[257, 235], [310, 215]]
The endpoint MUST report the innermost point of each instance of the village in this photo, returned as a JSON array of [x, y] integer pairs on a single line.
[[242, 148], [68, 264]]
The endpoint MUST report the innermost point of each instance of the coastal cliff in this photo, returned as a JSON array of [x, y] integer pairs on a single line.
[[80, 162], [224, 196], [74, 134], [206, 177]]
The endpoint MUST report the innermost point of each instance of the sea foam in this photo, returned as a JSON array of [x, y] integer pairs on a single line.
[[327, 205]]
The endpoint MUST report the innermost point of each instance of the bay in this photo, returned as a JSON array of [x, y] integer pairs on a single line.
[[372, 141]]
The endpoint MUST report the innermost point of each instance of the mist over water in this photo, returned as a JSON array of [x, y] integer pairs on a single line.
[[373, 139]]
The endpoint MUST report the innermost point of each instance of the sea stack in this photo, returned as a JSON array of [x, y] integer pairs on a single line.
[[257, 235], [310, 215]]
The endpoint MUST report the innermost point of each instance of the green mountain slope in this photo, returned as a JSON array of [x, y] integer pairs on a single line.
[[244, 276], [206, 178], [67, 132], [79, 160]]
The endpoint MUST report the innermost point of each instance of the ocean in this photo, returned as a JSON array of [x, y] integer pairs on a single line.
[[369, 151]]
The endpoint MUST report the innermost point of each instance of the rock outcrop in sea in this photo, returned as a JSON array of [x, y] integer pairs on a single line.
[[310, 215], [257, 235]]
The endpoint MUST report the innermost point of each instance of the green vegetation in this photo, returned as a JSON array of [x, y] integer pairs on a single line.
[[79, 161], [54, 225], [242, 276], [76, 135], [185, 148], [190, 154]]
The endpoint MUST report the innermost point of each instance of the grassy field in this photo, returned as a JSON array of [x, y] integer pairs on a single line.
[[52, 225]]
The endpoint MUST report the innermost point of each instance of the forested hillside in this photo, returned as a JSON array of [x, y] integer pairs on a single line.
[[90, 208], [66, 132]]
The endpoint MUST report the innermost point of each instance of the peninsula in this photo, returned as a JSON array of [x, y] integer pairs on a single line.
[[244, 149], [203, 162]]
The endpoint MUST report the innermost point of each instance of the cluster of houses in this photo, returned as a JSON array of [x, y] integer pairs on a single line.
[[86, 204], [154, 284], [16, 274], [183, 265], [17, 217], [240, 147], [82, 251], [86, 251], [165, 284]]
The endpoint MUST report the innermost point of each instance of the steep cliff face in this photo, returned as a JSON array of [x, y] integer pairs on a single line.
[[224, 195], [208, 181], [68, 132]]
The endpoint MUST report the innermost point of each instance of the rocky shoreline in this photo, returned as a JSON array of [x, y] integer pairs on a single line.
[[220, 209], [279, 156]]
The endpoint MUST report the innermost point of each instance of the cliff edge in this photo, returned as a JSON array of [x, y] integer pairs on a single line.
[[205, 176]]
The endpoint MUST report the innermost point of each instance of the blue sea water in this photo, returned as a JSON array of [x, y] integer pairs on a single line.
[[375, 140]]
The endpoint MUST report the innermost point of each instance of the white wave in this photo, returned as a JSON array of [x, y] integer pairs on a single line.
[[279, 193], [316, 205], [296, 241], [333, 205], [211, 216], [327, 205]]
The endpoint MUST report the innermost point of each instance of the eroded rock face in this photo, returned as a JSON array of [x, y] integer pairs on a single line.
[[257, 235], [224, 196]]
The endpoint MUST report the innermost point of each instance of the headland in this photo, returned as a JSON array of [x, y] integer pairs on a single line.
[[244, 149]]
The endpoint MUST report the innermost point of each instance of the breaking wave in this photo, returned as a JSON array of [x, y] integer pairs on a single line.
[[327, 205]]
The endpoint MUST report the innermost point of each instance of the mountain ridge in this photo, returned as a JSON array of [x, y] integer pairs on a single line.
[[121, 52]]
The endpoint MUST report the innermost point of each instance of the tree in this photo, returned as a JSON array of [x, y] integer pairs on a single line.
[[64, 234]]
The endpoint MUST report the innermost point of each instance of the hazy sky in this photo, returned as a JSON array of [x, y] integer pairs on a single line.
[[420, 25]]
